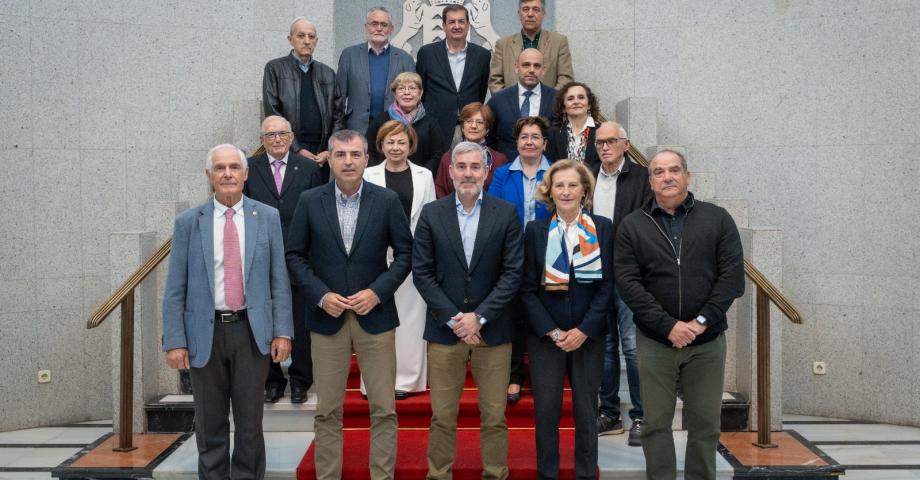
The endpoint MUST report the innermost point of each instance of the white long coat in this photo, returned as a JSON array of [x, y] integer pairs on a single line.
[[411, 358]]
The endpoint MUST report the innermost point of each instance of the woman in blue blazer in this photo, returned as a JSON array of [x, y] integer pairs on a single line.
[[567, 292], [517, 183]]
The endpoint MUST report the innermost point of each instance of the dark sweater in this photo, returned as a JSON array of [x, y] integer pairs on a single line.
[[664, 283]]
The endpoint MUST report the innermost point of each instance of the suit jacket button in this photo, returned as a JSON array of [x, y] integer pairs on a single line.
[[466, 300]]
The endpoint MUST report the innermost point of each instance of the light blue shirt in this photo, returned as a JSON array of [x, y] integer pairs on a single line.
[[530, 186], [457, 62], [469, 226], [347, 208], [304, 67]]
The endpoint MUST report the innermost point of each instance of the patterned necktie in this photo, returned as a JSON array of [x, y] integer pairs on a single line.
[[525, 108], [233, 268], [278, 180]]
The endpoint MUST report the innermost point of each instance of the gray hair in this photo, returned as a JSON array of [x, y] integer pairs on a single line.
[[379, 9], [209, 161], [276, 117], [300, 19], [620, 130], [683, 160], [521, 2], [466, 147], [346, 136]]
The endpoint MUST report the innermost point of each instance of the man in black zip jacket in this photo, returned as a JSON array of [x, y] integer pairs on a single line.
[[679, 265]]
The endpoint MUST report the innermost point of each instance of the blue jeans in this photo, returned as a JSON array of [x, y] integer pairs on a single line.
[[621, 329]]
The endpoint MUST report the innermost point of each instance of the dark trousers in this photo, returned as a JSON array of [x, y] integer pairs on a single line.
[[550, 364], [518, 343], [621, 329], [301, 369], [234, 374]]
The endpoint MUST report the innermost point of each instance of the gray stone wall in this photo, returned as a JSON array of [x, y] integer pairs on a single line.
[[808, 109], [811, 111]]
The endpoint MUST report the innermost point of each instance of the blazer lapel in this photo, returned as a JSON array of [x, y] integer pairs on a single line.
[[514, 103], [441, 55], [471, 63], [264, 171], [517, 179], [451, 227], [253, 224], [540, 251], [364, 69], [366, 205], [206, 229], [483, 232], [547, 95], [332, 215], [418, 190], [291, 174]]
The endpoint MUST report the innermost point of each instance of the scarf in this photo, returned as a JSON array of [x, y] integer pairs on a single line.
[[586, 258], [397, 114]]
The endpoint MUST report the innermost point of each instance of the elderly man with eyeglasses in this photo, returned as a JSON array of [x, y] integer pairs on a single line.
[[303, 90], [367, 69], [277, 178], [622, 187]]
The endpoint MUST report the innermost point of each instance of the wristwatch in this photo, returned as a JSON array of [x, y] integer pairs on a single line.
[[702, 320], [555, 334]]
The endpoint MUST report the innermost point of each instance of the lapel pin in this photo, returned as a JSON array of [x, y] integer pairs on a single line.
[[254, 213], [296, 167]]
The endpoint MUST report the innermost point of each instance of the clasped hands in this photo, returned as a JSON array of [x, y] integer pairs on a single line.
[[467, 328], [569, 340], [320, 158], [361, 303], [684, 333]]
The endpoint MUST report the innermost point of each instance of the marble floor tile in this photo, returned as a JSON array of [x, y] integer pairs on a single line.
[[790, 417], [856, 432], [873, 454], [34, 457], [618, 460], [24, 475], [283, 452], [54, 435], [882, 475]]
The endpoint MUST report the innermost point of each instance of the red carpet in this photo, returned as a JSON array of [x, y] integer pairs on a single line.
[[414, 419]]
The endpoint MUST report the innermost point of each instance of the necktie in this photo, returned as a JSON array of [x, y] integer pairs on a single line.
[[277, 164], [233, 268], [525, 108]]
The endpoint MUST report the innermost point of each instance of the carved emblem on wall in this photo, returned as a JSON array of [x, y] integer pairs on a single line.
[[425, 17]]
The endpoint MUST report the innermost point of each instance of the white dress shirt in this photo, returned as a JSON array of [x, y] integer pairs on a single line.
[[220, 302], [534, 99], [605, 191], [457, 61]]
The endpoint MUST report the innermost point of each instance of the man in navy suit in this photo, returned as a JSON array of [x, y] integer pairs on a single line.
[[367, 69], [454, 71], [227, 315], [528, 97], [466, 264], [337, 258], [278, 178]]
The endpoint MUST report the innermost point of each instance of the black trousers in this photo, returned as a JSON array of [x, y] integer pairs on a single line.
[[301, 369], [234, 375], [519, 342], [584, 367]]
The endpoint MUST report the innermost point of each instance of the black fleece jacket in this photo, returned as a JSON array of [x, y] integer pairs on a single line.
[[664, 283]]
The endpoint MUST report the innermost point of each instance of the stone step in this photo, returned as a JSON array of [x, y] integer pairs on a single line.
[[284, 450], [175, 413]]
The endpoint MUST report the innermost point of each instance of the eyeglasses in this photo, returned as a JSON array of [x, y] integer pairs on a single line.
[[407, 88], [274, 135], [471, 122], [607, 142], [376, 25]]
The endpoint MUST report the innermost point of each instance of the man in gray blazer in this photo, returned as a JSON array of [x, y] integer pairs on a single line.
[[367, 69], [227, 314]]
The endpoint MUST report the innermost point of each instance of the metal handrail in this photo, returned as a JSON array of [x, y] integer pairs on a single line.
[[129, 285], [124, 296], [766, 292]]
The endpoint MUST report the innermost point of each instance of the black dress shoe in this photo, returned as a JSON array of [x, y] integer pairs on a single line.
[[273, 393], [402, 394], [298, 395]]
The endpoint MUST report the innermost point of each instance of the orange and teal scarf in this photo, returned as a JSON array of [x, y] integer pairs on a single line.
[[586, 257]]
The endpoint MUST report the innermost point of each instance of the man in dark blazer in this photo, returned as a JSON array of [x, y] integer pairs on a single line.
[[227, 315], [303, 90], [367, 69], [277, 179], [454, 71], [528, 97], [337, 257], [466, 264]]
